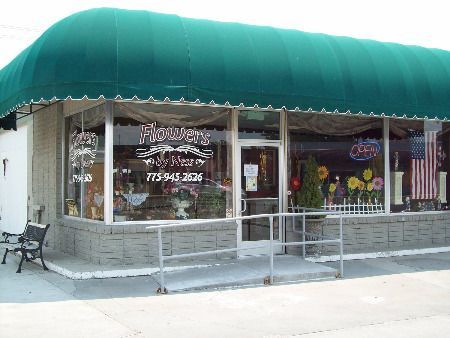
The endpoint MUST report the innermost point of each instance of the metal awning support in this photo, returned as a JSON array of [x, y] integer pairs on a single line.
[[9, 122]]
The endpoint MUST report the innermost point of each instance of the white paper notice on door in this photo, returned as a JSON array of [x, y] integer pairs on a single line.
[[251, 183], [250, 170]]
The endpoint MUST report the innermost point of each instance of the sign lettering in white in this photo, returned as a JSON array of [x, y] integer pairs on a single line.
[[82, 149], [82, 153], [160, 134], [188, 156], [174, 177]]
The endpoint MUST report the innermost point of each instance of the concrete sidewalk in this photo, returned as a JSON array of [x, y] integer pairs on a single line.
[[390, 297]]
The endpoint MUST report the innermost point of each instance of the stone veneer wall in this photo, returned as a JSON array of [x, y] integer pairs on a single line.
[[382, 233], [46, 167], [134, 244], [129, 244]]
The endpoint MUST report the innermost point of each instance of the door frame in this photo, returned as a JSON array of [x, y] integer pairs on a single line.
[[237, 189]]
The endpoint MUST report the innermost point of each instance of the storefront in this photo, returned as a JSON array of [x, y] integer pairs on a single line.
[[108, 163]]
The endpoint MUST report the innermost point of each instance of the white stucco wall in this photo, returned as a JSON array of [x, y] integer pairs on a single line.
[[14, 180]]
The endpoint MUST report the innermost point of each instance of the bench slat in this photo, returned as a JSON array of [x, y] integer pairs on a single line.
[[42, 226]]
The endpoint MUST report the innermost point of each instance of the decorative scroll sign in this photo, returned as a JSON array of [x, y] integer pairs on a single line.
[[82, 152], [190, 155], [365, 150]]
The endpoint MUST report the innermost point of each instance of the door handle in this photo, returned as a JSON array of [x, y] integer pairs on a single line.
[[245, 206]]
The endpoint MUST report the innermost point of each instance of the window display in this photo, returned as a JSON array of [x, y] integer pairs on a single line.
[[349, 153], [171, 162], [84, 163], [174, 162], [418, 152]]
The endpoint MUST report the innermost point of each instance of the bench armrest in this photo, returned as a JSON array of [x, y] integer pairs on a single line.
[[10, 238], [8, 234]]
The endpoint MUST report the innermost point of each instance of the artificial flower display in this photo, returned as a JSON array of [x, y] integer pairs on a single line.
[[352, 183], [378, 183], [332, 188], [323, 172], [367, 174], [361, 185], [295, 183]]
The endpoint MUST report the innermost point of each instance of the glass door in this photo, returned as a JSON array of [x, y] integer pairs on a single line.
[[259, 193]]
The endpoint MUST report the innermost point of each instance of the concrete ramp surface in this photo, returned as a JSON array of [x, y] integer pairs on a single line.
[[246, 271], [201, 274]]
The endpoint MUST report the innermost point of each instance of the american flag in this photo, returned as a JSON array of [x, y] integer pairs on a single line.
[[423, 164]]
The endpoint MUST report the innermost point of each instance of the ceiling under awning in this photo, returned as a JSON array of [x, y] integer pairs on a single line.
[[112, 52]]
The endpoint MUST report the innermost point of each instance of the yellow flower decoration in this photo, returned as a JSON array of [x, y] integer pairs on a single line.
[[323, 172], [361, 185], [369, 186], [352, 182], [332, 187], [367, 174]]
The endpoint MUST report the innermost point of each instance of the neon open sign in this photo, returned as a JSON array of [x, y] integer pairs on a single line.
[[364, 151]]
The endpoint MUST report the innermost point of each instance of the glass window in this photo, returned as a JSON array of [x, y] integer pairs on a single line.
[[262, 125], [418, 160], [349, 153], [84, 163], [171, 162]]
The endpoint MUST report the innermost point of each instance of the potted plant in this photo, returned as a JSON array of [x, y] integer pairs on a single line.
[[310, 196]]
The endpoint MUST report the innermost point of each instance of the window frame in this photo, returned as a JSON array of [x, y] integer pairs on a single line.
[[109, 156], [385, 154], [67, 114]]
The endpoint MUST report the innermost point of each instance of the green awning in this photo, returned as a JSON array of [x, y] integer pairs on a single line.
[[113, 52]]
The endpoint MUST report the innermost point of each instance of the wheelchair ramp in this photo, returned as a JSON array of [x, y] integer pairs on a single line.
[[246, 272], [201, 274]]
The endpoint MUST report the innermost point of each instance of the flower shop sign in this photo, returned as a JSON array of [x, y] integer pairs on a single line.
[[363, 151], [82, 153], [189, 156]]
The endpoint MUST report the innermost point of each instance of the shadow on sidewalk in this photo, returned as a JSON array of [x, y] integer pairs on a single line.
[[34, 285]]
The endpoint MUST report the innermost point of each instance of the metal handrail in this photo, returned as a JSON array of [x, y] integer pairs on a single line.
[[232, 219], [261, 199], [272, 244]]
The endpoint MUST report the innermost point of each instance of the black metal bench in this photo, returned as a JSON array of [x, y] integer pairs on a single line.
[[29, 243]]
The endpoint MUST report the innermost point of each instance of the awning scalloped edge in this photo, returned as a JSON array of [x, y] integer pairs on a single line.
[[167, 100]]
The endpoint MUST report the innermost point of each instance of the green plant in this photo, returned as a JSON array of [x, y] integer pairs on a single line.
[[310, 195], [211, 204]]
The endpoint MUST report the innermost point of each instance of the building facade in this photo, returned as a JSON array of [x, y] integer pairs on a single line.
[[142, 119]]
